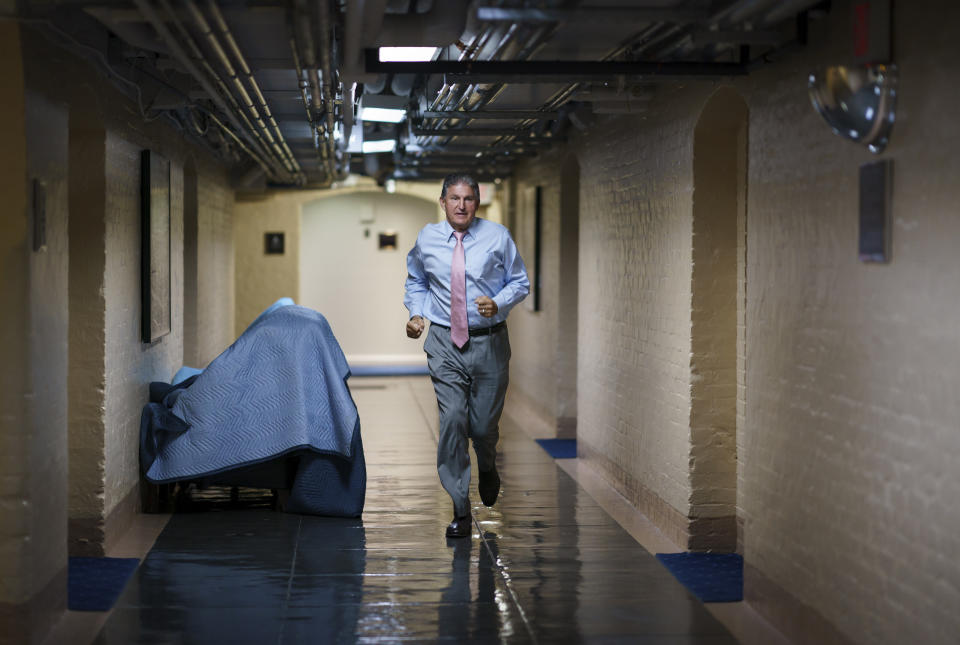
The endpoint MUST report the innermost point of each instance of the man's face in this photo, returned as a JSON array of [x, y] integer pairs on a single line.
[[460, 205]]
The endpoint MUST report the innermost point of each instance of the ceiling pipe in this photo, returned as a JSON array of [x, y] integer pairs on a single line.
[[564, 95], [366, 24], [223, 126], [441, 26], [336, 167], [450, 95], [252, 109], [304, 52], [362, 23], [227, 35], [139, 34], [280, 171], [402, 84], [148, 12], [224, 92], [377, 84], [752, 13], [788, 8], [472, 97], [303, 85]]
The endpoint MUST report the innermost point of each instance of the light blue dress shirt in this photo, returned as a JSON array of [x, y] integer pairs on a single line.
[[493, 266]]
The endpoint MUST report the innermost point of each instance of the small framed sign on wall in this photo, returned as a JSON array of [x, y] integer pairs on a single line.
[[531, 233], [876, 181], [273, 243], [154, 246]]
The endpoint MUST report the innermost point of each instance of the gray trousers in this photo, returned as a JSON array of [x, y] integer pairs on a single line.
[[470, 384]]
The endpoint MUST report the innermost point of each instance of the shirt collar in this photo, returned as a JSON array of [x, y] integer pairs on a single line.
[[469, 233]]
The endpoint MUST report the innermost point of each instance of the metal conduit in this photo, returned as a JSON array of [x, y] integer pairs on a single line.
[[221, 24], [148, 12], [497, 53], [329, 100], [731, 15], [243, 146], [221, 55], [320, 80], [762, 12], [477, 44], [564, 95], [470, 99], [279, 169], [444, 98], [194, 50], [303, 42], [303, 85], [539, 38]]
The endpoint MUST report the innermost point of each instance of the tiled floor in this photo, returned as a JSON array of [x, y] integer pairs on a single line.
[[547, 564]]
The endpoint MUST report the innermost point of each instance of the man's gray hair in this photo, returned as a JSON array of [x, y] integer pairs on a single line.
[[457, 178]]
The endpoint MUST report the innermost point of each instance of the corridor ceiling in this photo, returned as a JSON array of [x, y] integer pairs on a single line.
[[283, 91]]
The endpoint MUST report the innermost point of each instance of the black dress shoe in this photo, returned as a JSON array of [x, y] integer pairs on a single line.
[[489, 486], [460, 527]]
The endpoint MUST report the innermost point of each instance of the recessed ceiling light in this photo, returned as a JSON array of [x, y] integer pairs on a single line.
[[355, 143], [384, 115], [382, 145], [407, 54]]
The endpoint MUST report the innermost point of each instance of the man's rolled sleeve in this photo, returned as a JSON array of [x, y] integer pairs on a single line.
[[516, 284], [416, 284]]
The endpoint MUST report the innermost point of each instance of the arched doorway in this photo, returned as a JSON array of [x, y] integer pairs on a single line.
[[353, 251], [717, 320]]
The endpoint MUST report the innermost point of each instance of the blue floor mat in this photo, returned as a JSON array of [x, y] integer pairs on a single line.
[[559, 448], [94, 584], [711, 577], [389, 370]]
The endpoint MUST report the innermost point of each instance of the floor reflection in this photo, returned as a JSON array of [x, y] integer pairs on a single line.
[[546, 564]]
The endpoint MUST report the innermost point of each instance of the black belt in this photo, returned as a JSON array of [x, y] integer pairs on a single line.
[[479, 331]]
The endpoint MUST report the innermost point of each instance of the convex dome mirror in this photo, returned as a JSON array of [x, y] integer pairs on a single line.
[[858, 103]]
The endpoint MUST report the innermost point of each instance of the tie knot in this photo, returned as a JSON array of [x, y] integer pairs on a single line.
[[459, 235]]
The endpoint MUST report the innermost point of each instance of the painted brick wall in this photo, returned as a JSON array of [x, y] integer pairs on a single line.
[[633, 387], [109, 367], [47, 462], [87, 309], [719, 176], [849, 480], [544, 364], [215, 264], [33, 336], [131, 365], [533, 334]]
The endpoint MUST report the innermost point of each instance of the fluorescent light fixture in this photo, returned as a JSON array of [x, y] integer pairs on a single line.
[[407, 54], [382, 145], [384, 115], [355, 143]]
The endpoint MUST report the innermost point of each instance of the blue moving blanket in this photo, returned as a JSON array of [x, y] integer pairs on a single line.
[[279, 390]]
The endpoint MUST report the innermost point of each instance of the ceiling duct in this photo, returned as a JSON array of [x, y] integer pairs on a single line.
[[366, 24], [280, 80], [440, 26], [137, 33]]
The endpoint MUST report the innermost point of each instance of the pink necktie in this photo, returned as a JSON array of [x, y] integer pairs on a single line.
[[458, 294]]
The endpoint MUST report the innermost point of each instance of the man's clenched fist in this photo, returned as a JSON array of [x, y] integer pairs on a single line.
[[415, 327]]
